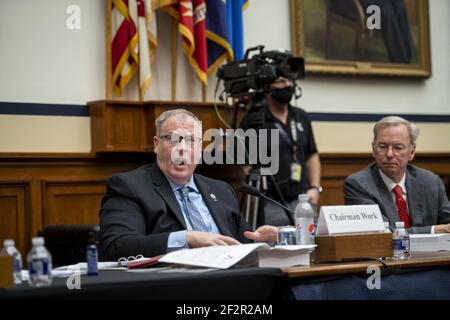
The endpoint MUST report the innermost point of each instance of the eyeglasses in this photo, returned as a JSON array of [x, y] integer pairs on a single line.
[[174, 139], [383, 148]]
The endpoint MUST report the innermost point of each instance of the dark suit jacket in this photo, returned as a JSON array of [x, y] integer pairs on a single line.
[[427, 201], [139, 210]]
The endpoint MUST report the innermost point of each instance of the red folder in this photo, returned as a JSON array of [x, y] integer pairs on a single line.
[[148, 263]]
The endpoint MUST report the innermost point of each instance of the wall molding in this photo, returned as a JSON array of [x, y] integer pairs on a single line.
[[73, 110]]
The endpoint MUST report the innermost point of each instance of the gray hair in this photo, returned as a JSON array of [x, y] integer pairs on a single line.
[[392, 121], [179, 113]]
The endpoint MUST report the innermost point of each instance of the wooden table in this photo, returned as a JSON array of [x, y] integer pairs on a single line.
[[326, 269]]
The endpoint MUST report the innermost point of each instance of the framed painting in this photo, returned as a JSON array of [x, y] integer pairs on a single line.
[[363, 37]]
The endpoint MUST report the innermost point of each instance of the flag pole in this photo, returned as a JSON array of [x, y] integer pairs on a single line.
[[140, 93], [108, 50], [174, 56], [203, 92]]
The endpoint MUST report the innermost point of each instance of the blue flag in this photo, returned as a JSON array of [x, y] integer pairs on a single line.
[[224, 32], [235, 9], [217, 34]]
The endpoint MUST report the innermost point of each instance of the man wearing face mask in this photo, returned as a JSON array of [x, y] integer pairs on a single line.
[[299, 170]]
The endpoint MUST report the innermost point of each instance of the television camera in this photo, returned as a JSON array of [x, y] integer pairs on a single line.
[[249, 80]]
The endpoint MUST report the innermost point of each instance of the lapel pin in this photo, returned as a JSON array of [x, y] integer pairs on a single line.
[[213, 196]]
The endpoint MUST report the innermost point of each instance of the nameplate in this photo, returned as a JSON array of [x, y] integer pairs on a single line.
[[349, 219]]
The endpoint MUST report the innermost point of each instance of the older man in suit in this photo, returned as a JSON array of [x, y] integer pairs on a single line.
[[404, 192], [163, 207]]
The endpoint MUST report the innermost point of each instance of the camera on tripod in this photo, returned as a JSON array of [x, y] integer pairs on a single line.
[[249, 80]]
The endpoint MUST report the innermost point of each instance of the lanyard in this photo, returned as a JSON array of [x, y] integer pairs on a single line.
[[291, 142]]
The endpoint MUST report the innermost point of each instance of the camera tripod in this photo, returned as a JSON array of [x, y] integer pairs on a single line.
[[254, 212]]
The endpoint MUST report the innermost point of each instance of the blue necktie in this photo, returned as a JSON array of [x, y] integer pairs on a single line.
[[192, 212]]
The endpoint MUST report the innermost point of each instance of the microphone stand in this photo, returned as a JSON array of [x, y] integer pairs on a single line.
[[255, 179], [279, 204], [278, 191]]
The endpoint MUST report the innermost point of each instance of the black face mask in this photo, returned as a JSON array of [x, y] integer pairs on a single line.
[[283, 95]]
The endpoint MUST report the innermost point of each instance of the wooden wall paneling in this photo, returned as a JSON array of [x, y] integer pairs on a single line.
[[98, 132], [72, 202], [38, 169], [332, 194], [335, 169], [148, 130], [124, 128], [34, 220], [116, 126], [14, 213]]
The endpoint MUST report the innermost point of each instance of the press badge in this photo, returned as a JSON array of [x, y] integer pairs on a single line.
[[296, 172]]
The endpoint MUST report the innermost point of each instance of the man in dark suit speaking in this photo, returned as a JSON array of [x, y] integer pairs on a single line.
[[163, 207], [404, 192]]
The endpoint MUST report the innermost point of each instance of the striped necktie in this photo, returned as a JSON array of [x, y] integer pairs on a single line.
[[193, 215]]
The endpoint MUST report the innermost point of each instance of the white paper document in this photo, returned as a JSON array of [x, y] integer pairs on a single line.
[[223, 257], [430, 242], [285, 256]]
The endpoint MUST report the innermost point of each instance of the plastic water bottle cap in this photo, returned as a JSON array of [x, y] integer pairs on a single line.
[[303, 197], [8, 242], [400, 224], [37, 241], [386, 224]]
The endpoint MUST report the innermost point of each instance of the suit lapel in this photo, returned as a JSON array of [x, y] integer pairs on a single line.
[[385, 195], [162, 187], [414, 194], [214, 205]]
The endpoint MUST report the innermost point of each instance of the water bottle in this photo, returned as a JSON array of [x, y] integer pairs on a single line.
[[10, 250], [386, 227], [304, 221], [400, 241], [39, 262], [92, 255]]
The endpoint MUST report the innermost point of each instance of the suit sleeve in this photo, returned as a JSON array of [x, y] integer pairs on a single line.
[[444, 204], [355, 194], [122, 225]]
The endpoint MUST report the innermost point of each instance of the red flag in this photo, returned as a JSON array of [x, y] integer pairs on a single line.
[[191, 16], [124, 59], [133, 42]]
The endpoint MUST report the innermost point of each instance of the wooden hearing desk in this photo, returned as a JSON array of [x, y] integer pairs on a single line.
[[327, 269]]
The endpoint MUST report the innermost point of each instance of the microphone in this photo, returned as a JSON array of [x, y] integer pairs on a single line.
[[245, 188]]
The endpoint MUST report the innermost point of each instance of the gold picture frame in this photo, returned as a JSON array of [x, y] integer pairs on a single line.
[[331, 49]]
